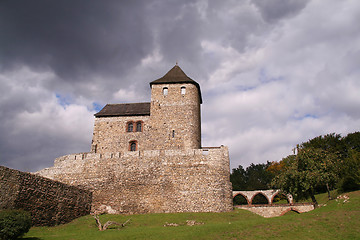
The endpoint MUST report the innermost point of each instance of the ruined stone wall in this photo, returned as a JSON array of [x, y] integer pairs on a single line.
[[50, 202], [153, 181], [175, 112], [110, 134]]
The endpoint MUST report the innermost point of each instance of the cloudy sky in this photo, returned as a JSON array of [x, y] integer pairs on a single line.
[[273, 73]]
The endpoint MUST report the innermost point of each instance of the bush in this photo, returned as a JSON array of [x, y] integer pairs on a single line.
[[14, 224]]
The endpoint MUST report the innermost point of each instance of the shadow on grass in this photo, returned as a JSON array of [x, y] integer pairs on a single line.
[[30, 238]]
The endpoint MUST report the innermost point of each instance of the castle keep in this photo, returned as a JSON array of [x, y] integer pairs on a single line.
[[147, 157]]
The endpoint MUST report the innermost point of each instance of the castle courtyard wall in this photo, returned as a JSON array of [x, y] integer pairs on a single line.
[[153, 181]]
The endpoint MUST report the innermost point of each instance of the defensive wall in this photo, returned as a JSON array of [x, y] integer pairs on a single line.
[[50, 202], [150, 181]]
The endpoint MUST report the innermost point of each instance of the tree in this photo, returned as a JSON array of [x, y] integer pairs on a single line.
[[255, 177], [275, 168], [238, 178], [14, 224], [311, 168], [350, 172], [330, 142]]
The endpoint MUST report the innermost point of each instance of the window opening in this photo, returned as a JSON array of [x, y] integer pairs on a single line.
[[165, 91], [133, 146], [130, 127], [183, 90], [173, 133], [139, 126]]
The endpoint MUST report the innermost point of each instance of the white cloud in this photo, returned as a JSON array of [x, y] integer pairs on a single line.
[[37, 127]]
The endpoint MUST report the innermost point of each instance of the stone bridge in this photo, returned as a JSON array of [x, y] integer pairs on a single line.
[[270, 209], [269, 194]]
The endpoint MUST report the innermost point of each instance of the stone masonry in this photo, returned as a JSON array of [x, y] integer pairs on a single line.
[[49, 202], [147, 157]]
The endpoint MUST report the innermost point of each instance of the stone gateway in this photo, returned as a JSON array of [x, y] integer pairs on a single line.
[[147, 157]]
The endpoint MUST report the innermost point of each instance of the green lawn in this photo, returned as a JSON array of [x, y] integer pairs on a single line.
[[336, 220]]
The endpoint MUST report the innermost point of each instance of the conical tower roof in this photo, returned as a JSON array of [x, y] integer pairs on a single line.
[[176, 75]]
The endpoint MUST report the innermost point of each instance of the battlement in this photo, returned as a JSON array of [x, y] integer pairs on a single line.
[[208, 151]]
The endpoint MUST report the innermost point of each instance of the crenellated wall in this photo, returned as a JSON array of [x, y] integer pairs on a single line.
[[193, 180]]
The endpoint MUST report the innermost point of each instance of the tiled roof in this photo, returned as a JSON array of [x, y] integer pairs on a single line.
[[125, 109], [176, 75]]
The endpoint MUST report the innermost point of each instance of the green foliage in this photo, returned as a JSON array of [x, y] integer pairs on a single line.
[[331, 143], [311, 168], [277, 167], [321, 164], [352, 141], [350, 172], [14, 224], [255, 177]]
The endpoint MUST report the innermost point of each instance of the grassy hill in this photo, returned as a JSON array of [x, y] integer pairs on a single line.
[[337, 219]]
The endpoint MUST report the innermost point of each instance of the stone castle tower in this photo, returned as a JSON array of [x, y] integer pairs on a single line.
[[147, 157], [170, 121]]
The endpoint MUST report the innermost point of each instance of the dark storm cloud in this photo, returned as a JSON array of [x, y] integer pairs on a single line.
[[74, 38], [58, 59], [273, 10]]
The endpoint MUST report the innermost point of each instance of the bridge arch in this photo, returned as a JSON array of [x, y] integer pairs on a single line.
[[269, 194], [288, 197], [244, 196], [259, 194], [289, 210]]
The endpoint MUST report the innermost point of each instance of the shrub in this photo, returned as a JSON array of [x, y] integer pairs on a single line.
[[14, 224]]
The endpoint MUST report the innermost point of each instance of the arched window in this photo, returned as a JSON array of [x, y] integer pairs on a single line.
[[165, 91], [139, 126], [133, 146], [130, 127], [183, 90]]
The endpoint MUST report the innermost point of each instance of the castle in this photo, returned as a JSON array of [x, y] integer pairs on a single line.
[[148, 158]]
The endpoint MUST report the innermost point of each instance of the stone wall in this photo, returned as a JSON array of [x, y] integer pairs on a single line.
[[110, 133], [174, 123], [175, 112], [154, 181], [50, 202]]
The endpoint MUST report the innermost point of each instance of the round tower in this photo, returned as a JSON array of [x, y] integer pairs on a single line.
[[175, 111]]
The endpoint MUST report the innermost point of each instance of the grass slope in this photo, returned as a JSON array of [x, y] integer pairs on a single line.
[[338, 219]]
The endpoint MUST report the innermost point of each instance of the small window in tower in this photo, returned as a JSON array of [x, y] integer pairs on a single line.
[[130, 127], [165, 91], [133, 146], [173, 133], [139, 126], [183, 90]]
